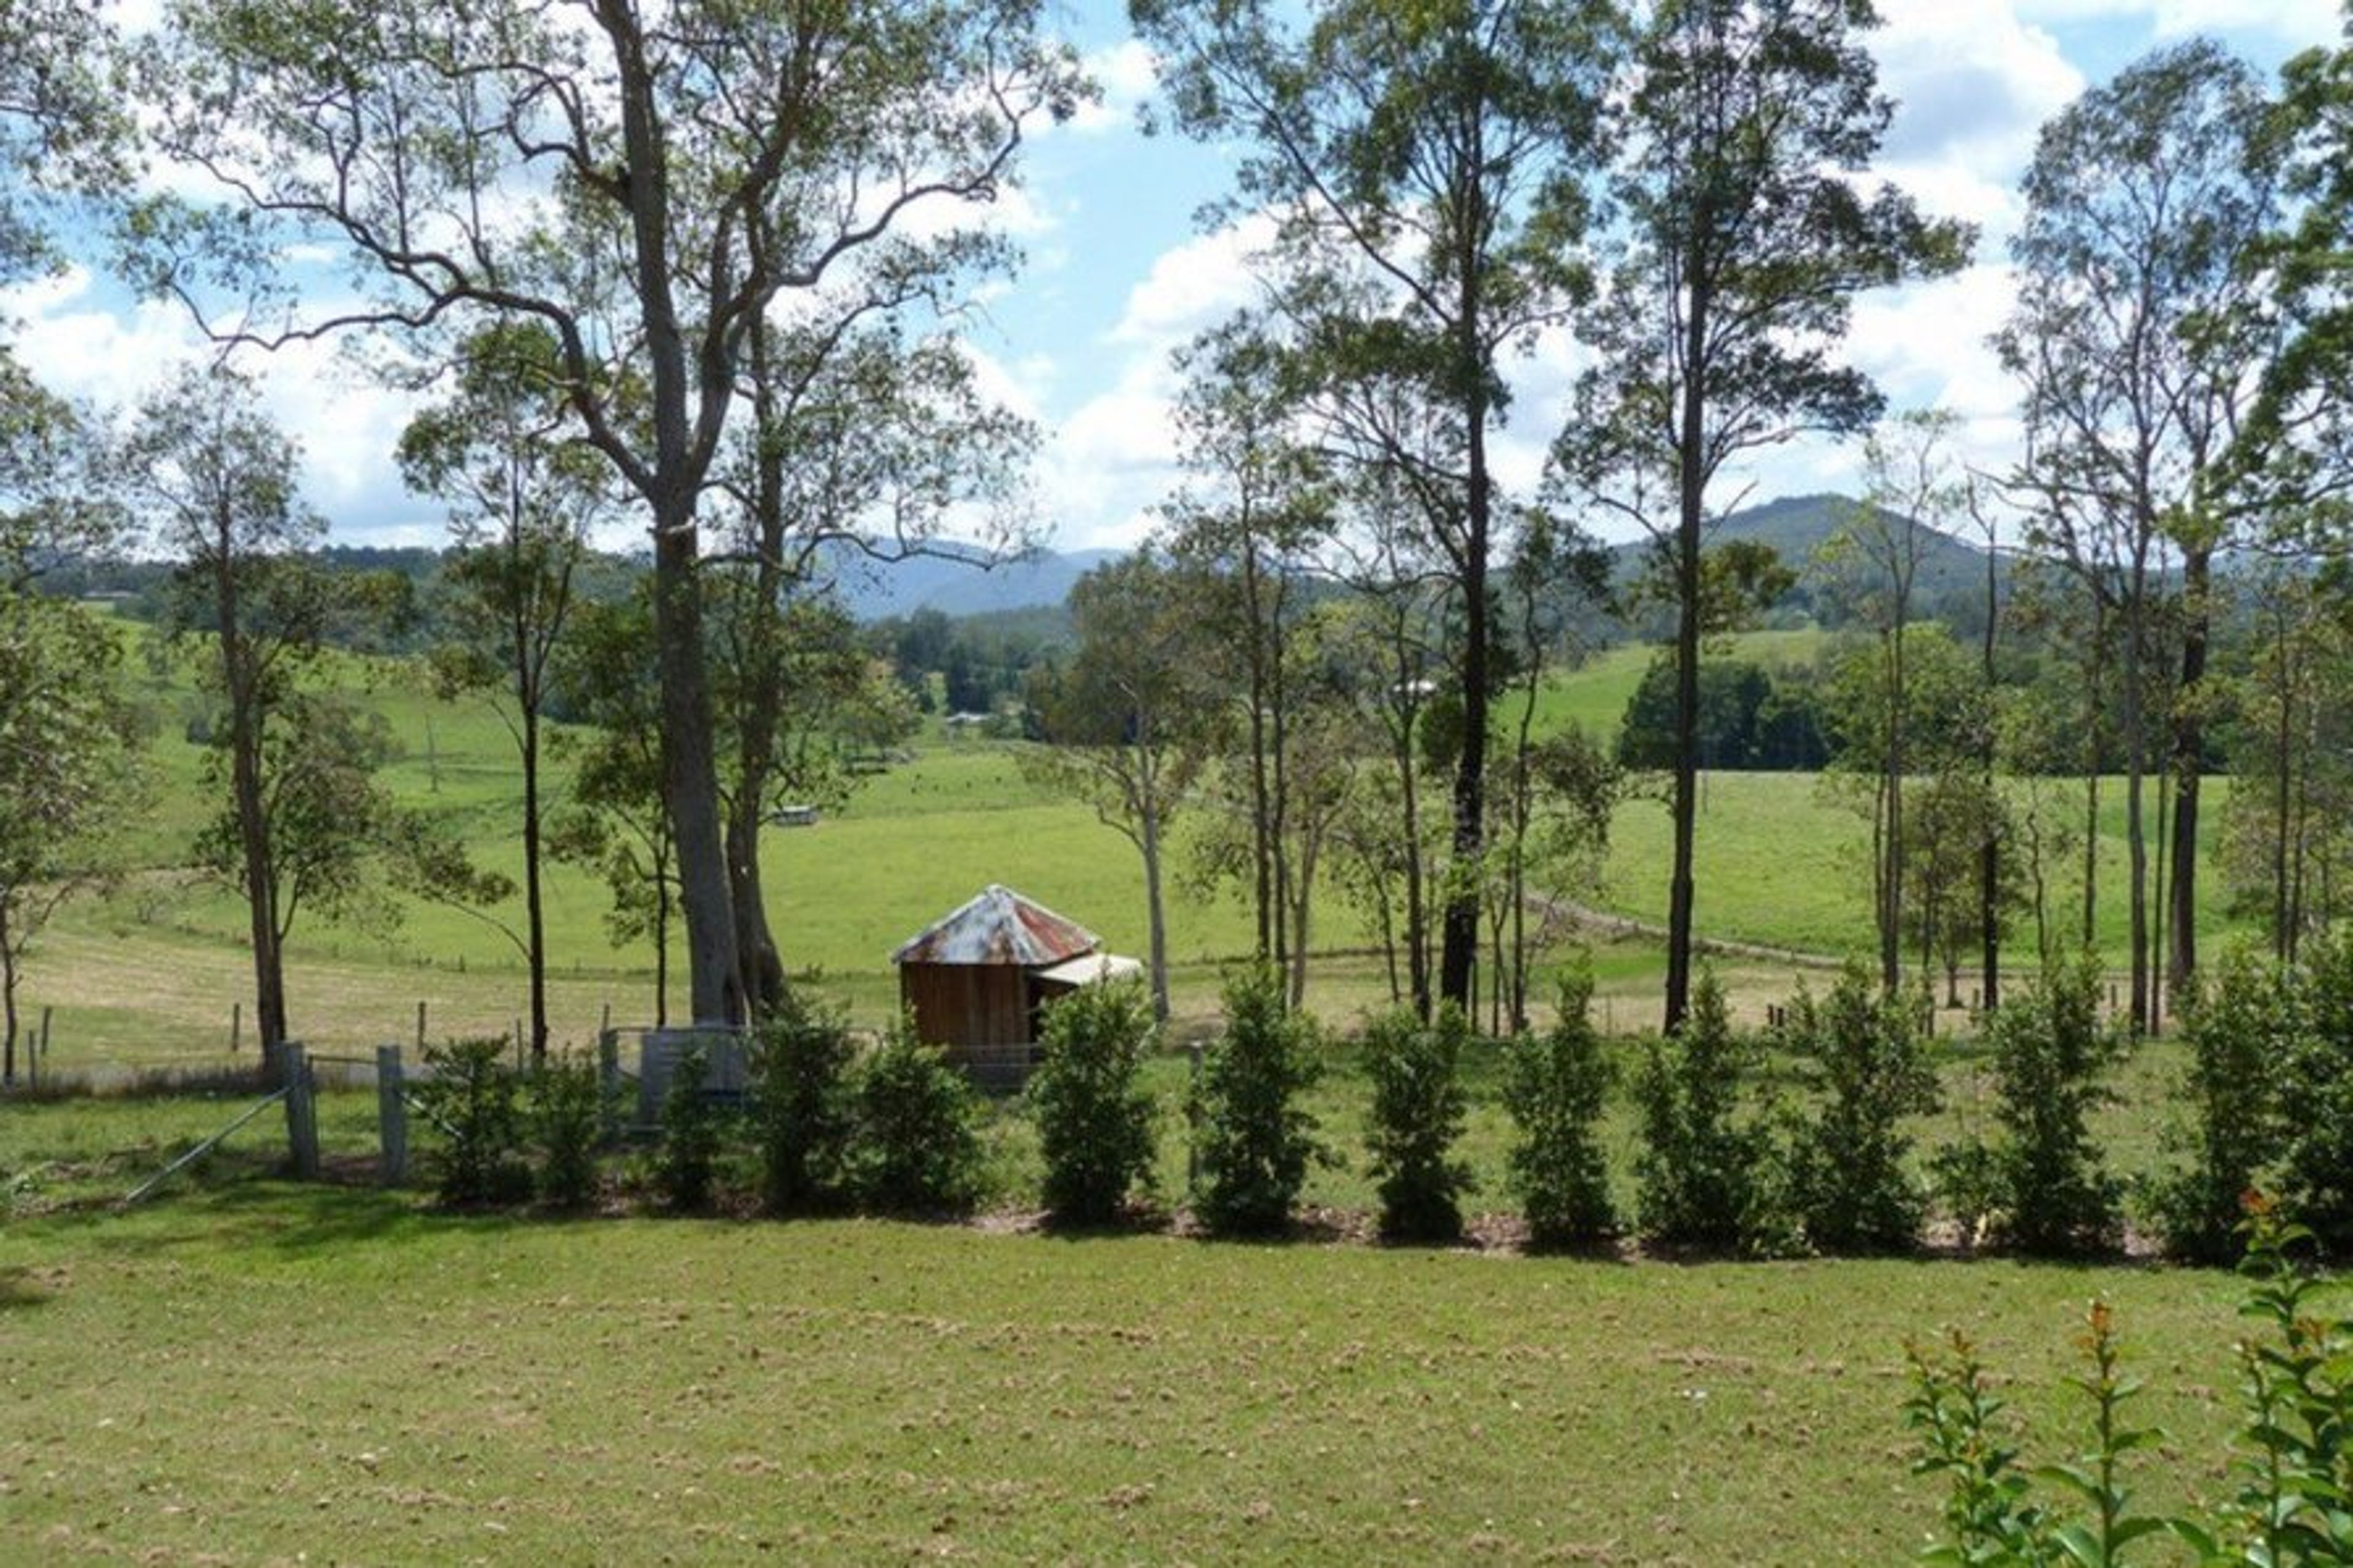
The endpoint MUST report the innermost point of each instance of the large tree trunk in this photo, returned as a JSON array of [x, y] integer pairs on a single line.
[[2136, 828], [534, 903], [755, 942], [1690, 496], [1460, 953], [685, 408], [691, 776], [245, 722], [2189, 755]]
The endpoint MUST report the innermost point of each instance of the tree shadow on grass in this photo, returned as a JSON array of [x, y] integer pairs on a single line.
[[22, 1286], [297, 1219]]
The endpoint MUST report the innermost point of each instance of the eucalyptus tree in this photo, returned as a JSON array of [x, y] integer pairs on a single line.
[[613, 821], [1557, 793], [869, 435], [523, 502], [1131, 721], [2287, 841], [1913, 497], [1745, 231], [68, 747], [2297, 449], [1427, 170], [1255, 506], [643, 184], [2139, 335], [216, 480]]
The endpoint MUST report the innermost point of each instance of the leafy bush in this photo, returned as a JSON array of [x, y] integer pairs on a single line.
[[1554, 1084], [687, 1166], [2242, 1022], [1702, 1175], [2295, 1449], [1094, 1120], [1966, 1177], [2316, 1099], [1850, 1188], [2050, 1051], [915, 1149], [471, 1098], [1417, 1117], [799, 1102], [1255, 1141], [566, 1107]]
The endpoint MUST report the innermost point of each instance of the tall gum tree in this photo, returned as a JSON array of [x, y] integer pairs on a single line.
[[524, 500], [869, 438], [1428, 166], [214, 480], [2140, 338], [642, 182], [1745, 226], [1249, 516]]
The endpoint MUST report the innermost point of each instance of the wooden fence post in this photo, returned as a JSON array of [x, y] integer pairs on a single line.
[[301, 1112], [46, 1011], [608, 1086], [420, 1026], [235, 1025], [392, 1117]]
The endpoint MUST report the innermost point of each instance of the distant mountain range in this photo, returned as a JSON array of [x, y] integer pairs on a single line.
[[1795, 527], [959, 586]]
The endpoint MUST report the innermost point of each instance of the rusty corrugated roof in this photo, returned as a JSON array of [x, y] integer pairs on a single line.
[[999, 926]]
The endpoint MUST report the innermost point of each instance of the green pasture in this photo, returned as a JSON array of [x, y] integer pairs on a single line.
[[257, 1373], [151, 971]]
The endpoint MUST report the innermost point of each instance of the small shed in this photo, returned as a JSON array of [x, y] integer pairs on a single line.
[[976, 979]]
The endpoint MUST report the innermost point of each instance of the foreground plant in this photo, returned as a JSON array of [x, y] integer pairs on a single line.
[[2294, 1507], [1555, 1086], [1418, 1113], [1095, 1118], [1255, 1141]]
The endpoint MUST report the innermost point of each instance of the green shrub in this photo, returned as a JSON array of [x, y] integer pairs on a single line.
[[1966, 1177], [1417, 1115], [686, 1168], [801, 1113], [1702, 1175], [1255, 1140], [2242, 1023], [567, 1111], [915, 1149], [1850, 1186], [1094, 1119], [471, 1099], [2050, 1052], [2295, 1449], [2316, 1099], [1555, 1086]]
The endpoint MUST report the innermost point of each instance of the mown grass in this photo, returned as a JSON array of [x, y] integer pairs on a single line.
[[263, 1372]]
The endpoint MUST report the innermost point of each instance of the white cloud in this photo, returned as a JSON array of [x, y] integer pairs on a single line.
[[1193, 286], [2289, 20], [111, 354], [1127, 74], [1973, 87]]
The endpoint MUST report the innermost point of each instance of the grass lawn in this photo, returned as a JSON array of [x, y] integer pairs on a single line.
[[258, 1372]]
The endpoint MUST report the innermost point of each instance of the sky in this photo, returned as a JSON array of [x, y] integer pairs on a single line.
[[1118, 274]]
